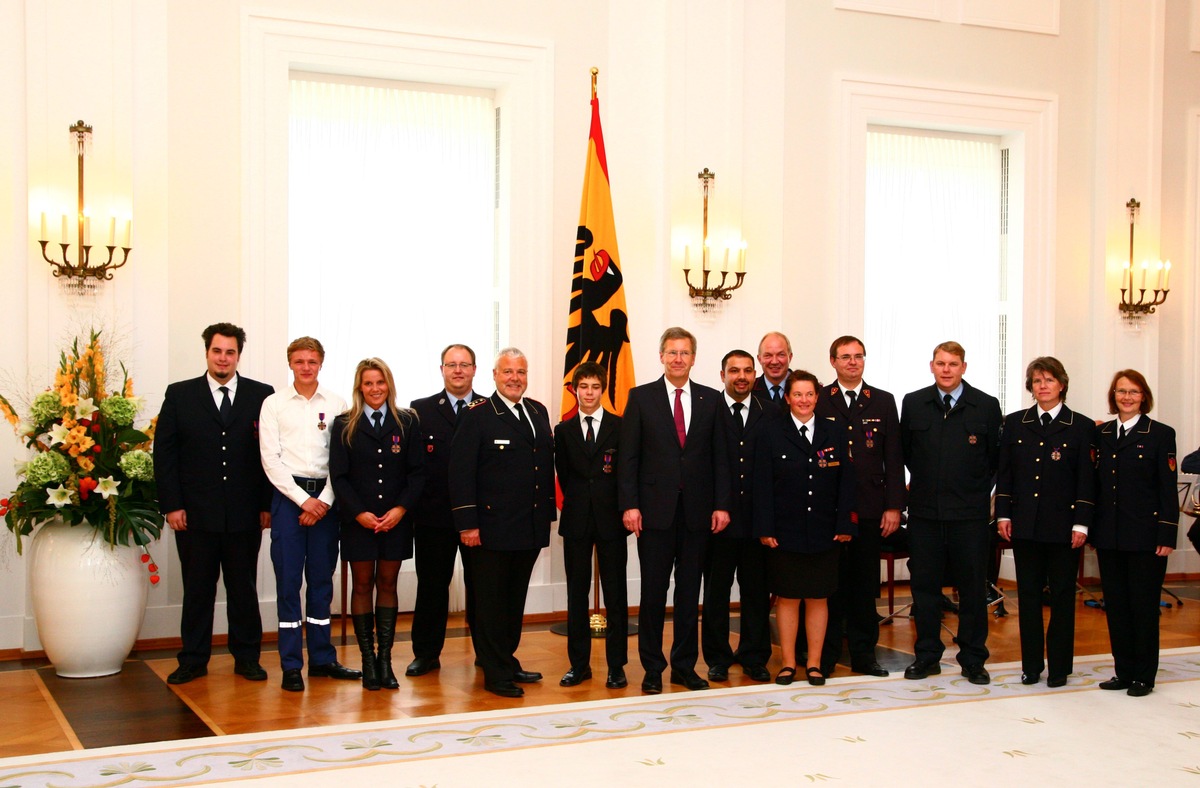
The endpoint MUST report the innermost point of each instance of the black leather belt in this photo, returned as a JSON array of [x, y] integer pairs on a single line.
[[311, 486]]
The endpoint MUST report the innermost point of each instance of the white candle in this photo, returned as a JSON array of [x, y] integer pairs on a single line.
[[1159, 286], [687, 257], [128, 233], [1167, 276], [87, 231], [707, 248], [112, 231], [741, 269], [42, 236], [1126, 277], [1145, 265], [65, 236], [725, 265]]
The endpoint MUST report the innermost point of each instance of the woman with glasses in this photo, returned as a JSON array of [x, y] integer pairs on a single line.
[[377, 468], [1136, 520], [1045, 493], [804, 491]]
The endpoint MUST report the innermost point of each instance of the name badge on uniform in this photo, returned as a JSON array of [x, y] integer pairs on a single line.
[[320, 421], [395, 444], [501, 442]]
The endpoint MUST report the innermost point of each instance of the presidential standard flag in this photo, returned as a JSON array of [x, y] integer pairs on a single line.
[[598, 327]]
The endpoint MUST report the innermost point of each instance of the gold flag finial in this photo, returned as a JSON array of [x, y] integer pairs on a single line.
[[595, 71]]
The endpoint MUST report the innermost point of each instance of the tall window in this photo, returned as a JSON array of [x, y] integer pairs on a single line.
[[937, 264], [391, 225]]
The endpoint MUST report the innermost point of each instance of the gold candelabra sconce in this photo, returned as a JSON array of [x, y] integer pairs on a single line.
[[83, 275], [706, 298], [1133, 311]]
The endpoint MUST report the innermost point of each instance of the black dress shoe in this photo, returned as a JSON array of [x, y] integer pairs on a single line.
[[816, 676], [505, 689], [526, 676], [251, 671], [617, 680], [292, 680], [422, 665], [652, 683], [757, 672], [574, 677], [689, 679], [185, 673], [334, 670], [786, 676], [977, 674], [828, 668], [1114, 684], [922, 668], [1056, 681], [871, 668], [1031, 678], [718, 673], [1139, 689]]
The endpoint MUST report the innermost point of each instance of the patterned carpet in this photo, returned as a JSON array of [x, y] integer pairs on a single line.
[[853, 731]]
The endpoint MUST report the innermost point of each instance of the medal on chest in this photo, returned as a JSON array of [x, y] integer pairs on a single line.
[[321, 421], [395, 444]]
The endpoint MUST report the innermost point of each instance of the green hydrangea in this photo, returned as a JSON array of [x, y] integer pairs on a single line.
[[46, 468], [118, 410], [137, 465], [46, 407]]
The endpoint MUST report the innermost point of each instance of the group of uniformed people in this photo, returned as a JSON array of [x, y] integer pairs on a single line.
[[775, 481]]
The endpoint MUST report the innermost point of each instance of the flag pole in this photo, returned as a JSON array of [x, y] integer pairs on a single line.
[[595, 71]]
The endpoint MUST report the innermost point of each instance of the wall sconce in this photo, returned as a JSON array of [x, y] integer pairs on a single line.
[[83, 276], [1134, 311], [705, 298]]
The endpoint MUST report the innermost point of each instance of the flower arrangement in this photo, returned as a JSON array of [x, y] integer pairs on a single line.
[[91, 465]]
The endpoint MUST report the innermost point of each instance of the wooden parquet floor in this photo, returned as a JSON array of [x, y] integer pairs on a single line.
[[43, 713]]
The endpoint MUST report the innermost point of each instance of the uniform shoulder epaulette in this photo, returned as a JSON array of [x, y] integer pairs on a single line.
[[476, 403]]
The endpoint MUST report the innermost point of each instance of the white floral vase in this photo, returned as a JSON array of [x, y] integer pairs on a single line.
[[89, 599]]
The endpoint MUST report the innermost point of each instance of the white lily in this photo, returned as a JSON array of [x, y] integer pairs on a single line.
[[58, 434], [107, 487], [84, 408], [59, 496]]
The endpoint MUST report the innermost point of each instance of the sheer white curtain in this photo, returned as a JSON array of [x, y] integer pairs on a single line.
[[391, 227], [932, 255]]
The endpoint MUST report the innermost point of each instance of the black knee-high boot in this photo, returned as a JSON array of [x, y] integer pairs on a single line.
[[364, 631], [385, 620]]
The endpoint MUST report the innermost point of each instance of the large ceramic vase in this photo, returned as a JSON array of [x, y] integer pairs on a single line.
[[89, 599]]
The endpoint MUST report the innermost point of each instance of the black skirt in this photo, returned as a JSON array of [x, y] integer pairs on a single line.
[[363, 544], [802, 575]]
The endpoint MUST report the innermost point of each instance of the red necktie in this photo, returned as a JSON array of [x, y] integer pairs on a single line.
[[680, 429]]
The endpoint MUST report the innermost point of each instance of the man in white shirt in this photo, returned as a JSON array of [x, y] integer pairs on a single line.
[[294, 441]]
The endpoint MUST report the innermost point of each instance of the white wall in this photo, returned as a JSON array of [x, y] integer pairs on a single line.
[[747, 88]]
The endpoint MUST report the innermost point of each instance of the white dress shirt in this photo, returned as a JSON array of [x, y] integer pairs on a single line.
[[512, 406], [729, 403], [846, 393], [214, 386], [292, 442], [599, 414], [685, 401]]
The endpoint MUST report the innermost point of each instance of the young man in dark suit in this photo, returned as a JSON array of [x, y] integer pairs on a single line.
[[502, 494], [735, 551], [673, 488], [950, 434], [216, 498], [586, 457], [436, 540], [869, 417]]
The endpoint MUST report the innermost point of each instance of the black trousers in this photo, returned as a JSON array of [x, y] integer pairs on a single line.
[[746, 559], [660, 551], [203, 557], [612, 556], [955, 551], [436, 547], [1041, 564], [852, 607], [500, 580], [1132, 583]]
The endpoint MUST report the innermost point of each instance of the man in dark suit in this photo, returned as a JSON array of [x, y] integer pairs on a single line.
[[437, 540], [674, 490], [735, 550], [586, 457], [502, 494], [215, 496], [869, 416], [950, 434], [775, 356]]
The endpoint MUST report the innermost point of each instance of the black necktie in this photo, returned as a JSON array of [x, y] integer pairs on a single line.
[[737, 414], [947, 403], [1046, 419], [853, 395], [775, 394], [804, 442], [1121, 434], [377, 417], [226, 404], [590, 438], [524, 420], [458, 407]]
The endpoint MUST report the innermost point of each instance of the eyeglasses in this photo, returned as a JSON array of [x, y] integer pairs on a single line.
[[457, 365], [1128, 392], [847, 357], [677, 353]]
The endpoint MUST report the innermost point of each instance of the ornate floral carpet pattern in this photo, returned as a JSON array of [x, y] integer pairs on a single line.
[[852, 731]]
